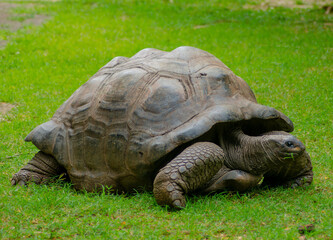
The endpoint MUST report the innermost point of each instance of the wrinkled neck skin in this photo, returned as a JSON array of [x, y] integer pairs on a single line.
[[251, 154]]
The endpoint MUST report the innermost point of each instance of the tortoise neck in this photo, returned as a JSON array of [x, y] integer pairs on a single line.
[[247, 153]]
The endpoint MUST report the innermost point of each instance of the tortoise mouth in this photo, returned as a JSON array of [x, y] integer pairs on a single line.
[[296, 150], [292, 152]]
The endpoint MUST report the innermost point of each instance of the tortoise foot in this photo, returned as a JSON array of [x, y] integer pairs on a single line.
[[302, 181], [23, 177], [38, 170], [170, 194]]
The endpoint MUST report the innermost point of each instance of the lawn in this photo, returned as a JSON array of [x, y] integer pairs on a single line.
[[284, 54]]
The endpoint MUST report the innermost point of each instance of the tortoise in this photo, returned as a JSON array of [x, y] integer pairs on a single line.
[[174, 122]]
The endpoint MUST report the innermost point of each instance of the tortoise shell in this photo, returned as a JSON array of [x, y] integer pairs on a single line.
[[117, 128]]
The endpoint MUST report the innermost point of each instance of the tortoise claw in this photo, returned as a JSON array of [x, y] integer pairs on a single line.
[[19, 178], [170, 194]]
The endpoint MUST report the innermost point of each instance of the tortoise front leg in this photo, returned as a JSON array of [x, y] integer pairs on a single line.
[[233, 180], [38, 170], [301, 181], [186, 173]]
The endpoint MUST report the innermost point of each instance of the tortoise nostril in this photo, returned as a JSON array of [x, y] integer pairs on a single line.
[[290, 144]]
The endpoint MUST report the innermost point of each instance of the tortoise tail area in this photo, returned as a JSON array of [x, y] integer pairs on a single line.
[[44, 136]]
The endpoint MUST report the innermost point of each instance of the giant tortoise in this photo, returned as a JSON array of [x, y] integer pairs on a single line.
[[173, 122]]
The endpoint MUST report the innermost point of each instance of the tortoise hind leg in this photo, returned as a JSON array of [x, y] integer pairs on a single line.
[[186, 173], [38, 170]]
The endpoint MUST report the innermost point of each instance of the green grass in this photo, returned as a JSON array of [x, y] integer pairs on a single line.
[[285, 55]]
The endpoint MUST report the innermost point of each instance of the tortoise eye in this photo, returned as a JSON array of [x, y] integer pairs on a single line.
[[290, 144]]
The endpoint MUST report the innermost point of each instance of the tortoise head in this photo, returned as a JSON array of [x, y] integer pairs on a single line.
[[282, 146], [291, 164], [276, 153]]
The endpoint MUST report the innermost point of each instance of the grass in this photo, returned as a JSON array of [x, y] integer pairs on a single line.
[[285, 55]]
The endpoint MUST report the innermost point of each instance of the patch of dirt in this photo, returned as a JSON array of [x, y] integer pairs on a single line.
[[7, 17], [3, 43], [266, 4], [5, 108]]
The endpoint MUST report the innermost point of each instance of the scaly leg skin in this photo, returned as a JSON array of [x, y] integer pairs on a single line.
[[233, 180], [186, 173], [38, 170]]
